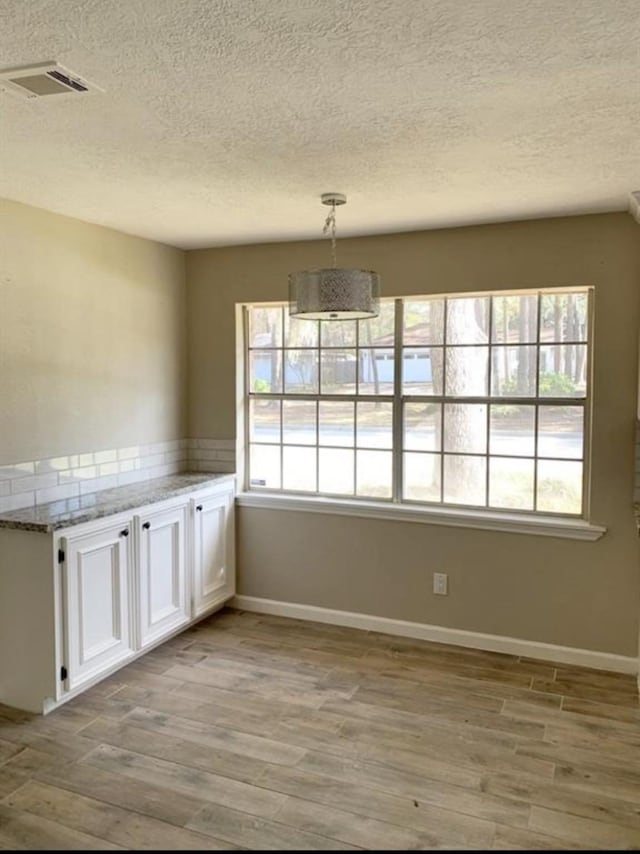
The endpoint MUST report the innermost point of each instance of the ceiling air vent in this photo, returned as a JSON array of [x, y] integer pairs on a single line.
[[40, 81]]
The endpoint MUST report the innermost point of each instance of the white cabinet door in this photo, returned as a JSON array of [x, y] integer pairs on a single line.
[[97, 610], [163, 592], [213, 550]]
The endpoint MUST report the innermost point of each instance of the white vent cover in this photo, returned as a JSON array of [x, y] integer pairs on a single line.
[[40, 81], [634, 205]]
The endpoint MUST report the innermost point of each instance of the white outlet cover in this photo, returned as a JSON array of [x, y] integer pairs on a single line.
[[440, 583]]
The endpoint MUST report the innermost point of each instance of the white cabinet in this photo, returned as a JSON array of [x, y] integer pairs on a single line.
[[97, 602], [78, 603], [213, 550], [163, 582]]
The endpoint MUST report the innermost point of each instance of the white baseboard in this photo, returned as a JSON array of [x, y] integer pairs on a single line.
[[441, 634]]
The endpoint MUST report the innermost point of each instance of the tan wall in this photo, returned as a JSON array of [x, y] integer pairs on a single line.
[[92, 337], [551, 590]]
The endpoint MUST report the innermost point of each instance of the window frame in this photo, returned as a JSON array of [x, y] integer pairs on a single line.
[[397, 399]]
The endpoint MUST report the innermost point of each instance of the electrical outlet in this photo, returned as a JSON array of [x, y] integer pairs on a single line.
[[440, 583]]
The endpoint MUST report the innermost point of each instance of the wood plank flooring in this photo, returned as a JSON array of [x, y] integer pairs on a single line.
[[258, 732]]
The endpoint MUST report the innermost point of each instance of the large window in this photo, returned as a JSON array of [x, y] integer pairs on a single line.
[[473, 401]]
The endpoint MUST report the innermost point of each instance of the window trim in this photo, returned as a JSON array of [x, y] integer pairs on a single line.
[[573, 526], [564, 527]]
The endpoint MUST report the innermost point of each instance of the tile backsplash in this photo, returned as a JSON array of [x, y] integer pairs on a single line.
[[215, 455], [25, 484]]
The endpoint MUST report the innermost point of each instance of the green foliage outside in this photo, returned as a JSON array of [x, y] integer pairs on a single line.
[[559, 496], [551, 385]]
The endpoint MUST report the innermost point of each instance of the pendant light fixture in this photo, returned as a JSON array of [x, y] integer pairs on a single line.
[[334, 293]]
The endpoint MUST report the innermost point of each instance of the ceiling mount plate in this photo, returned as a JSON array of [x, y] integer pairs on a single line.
[[333, 199]]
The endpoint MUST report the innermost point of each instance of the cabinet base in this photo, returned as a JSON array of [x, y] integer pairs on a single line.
[[50, 705]]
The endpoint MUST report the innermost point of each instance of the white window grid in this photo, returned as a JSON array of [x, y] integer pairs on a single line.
[[398, 399]]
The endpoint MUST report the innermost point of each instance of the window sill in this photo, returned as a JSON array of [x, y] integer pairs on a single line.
[[513, 523]]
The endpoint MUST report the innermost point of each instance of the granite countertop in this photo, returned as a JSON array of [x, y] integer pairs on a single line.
[[108, 502]]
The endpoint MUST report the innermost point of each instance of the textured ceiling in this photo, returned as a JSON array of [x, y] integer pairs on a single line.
[[222, 121]]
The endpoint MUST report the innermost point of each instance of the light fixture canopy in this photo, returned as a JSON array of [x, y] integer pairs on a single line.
[[334, 293]]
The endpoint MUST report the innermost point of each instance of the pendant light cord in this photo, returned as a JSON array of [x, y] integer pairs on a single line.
[[330, 225]]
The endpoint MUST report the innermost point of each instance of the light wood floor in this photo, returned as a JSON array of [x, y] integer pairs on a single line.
[[259, 732]]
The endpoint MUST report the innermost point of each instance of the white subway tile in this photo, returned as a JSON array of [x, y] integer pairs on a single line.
[[12, 470], [152, 461], [129, 453], [61, 478], [226, 456], [130, 465], [210, 444], [57, 493], [216, 444], [98, 483], [17, 502], [87, 473], [128, 477], [226, 444], [65, 505], [163, 447], [54, 464], [154, 471], [108, 468], [67, 476], [34, 482], [160, 471], [105, 456], [204, 454], [211, 466], [74, 475]]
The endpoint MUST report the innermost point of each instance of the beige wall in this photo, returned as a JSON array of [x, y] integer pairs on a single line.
[[92, 337], [544, 589]]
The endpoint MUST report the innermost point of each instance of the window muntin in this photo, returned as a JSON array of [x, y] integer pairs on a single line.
[[477, 401]]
